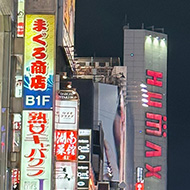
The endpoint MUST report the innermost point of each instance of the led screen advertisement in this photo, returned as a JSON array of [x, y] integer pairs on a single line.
[[36, 153], [39, 61]]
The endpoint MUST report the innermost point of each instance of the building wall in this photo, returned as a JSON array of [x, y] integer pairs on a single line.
[[6, 13], [146, 51]]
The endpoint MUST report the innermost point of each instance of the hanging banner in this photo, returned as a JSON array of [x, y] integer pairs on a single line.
[[39, 55], [36, 153]]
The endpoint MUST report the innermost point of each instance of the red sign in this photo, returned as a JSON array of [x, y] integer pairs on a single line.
[[39, 66], [139, 186], [15, 176], [155, 125], [66, 143], [20, 29]]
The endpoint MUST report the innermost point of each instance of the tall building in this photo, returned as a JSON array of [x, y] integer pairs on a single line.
[[145, 55], [122, 132]]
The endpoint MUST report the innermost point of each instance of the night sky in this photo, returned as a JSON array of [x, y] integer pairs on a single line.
[[99, 32]]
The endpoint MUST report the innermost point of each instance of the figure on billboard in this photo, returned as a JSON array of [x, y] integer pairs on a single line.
[[115, 162], [119, 131]]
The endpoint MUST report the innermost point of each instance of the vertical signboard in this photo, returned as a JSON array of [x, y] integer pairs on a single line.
[[15, 176], [39, 61], [84, 159], [66, 137], [20, 18], [66, 145], [36, 151], [155, 114]]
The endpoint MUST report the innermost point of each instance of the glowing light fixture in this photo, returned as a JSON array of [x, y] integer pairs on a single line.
[[145, 95], [69, 85], [144, 100], [144, 105], [163, 42], [144, 90], [156, 41], [143, 85], [149, 39]]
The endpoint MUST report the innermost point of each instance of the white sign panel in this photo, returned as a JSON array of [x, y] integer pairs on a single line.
[[65, 175], [36, 150], [66, 114]]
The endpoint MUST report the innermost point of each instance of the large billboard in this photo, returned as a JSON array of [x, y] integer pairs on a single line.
[[39, 61], [36, 153], [111, 116]]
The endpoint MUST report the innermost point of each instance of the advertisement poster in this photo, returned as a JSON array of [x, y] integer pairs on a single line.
[[39, 61], [36, 153], [113, 124]]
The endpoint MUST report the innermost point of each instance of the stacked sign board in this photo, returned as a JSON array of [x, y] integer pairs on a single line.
[[84, 159], [36, 152], [66, 137]]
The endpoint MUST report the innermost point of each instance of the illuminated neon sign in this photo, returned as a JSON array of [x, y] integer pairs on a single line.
[[36, 151], [155, 124], [39, 61]]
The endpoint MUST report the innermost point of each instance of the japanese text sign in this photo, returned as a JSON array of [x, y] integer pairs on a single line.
[[39, 61], [66, 142], [36, 150], [65, 175], [20, 19]]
